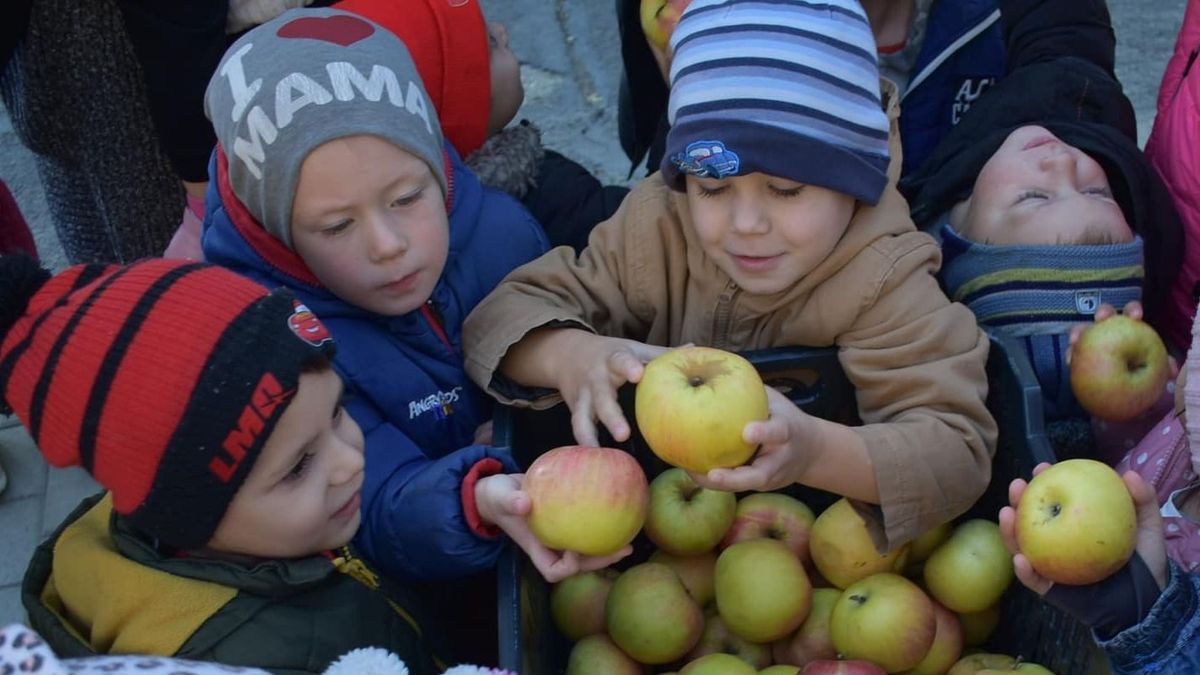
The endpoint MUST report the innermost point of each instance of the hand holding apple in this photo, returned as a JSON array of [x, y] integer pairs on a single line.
[[692, 404], [1119, 367], [585, 499], [1150, 544], [502, 502]]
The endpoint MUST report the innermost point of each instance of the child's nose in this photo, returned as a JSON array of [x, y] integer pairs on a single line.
[[386, 240], [748, 218], [349, 464]]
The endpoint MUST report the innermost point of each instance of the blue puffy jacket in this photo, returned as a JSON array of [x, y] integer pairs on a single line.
[[404, 375], [961, 56], [1167, 641]]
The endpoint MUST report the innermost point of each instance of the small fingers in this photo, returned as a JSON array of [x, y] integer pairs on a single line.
[[771, 432], [590, 563], [1015, 490], [1008, 528], [609, 412], [1029, 577], [624, 366], [1105, 311], [1133, 310], [582, 423], [742, 478]]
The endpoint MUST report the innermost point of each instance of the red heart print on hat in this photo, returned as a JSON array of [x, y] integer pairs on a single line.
[[340, 29]]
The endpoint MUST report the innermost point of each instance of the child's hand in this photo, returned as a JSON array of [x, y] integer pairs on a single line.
[[786, 450], [1150, 542], [502, 501], [483, 434], [598, 366]]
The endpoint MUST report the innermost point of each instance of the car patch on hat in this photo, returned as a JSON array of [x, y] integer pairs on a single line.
[[307, 326], [708, 159]]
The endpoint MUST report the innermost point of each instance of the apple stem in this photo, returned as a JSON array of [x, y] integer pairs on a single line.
[[690, 492]]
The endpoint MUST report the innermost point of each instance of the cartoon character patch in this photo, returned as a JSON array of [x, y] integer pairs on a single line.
[[307, 326], [708, 159]]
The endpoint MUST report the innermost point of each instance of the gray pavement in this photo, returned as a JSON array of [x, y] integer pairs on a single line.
[[570, 56]]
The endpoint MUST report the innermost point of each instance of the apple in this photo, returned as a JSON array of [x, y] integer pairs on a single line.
[[972, 569], [762, 590], [598, 655], [650, 615], [577, 603], [848, 667], [811, 642], [1076, 522], [842, 548], [973, 663], [718, 664], [684, 518], [1119, 368], [695, 571], [885, 619], [978, 626], [923, 546], [780, 669], [773, 515], [692, 404], [718, 639], [1020, 668], [589, 500], [947, 644], [659, 18]]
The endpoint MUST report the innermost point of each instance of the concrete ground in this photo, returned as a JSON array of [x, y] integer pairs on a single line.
[[570, 66]]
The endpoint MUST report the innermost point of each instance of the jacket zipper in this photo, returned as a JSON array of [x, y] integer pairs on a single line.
[[946, 53], [724, 316], [434, 317]]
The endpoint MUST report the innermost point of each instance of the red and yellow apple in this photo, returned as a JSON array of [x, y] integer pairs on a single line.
[[695, 571], [1119, 368], [718, 664], [773, 515], [762, 590], [847, 667], [885, 619], [1076, 522], [684, 518], [598, 655], [973, 663], [693, 403], [843, 551], [650, 615], [577, 603], [658, 19], [947, 645], [589, 500], [972, 569], [811, 642]]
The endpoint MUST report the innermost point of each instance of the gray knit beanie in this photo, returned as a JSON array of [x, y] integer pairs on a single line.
[[305, 78], [788, 88]]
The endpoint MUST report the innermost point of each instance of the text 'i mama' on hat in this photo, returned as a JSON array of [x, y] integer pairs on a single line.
[[788, 88], [305, 78], [162, 379]]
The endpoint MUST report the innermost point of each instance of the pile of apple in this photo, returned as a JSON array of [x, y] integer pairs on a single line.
[[762, 585]]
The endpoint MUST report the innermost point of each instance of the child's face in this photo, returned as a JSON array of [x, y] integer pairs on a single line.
[[1036, 189], [369, 220], [507, 90], [302, 495], [766, 232]]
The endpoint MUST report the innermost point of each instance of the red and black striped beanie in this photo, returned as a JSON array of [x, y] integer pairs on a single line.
[[163, 379]]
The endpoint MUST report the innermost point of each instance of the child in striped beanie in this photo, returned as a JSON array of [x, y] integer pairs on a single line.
[[208, 409], [774, 221]]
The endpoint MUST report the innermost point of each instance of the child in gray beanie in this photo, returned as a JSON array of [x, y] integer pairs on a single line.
[[331, 177], [774, 221]]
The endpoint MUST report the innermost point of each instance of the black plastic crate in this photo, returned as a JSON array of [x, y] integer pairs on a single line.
[[813, 378]]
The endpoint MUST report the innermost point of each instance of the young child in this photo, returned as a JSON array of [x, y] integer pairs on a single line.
[[773, 222], [208, 409], [331, 178], [474, 80], [1146, 616], [1047, 159]]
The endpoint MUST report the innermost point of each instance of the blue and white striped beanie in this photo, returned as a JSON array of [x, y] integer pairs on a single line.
[[788, 88], [1036, 293]]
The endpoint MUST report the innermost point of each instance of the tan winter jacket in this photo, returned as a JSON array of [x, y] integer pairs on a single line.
[[916, 360]]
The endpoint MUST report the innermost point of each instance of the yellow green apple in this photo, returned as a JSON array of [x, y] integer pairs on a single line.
[[762, 590], [780, 669], [696, 572], [1076, 522], [972, 569], [1020, 668], [577, 603], [1119, 368], [693, 403], [842, 667], [684, 518], [651, 616], [885, 619], [843, 551], [718, 664], [589, 500], [947, 644], [920, 548], [811, 641], [718, 639], [598, 655], [973, 663], [978, 626], [773, 515]]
